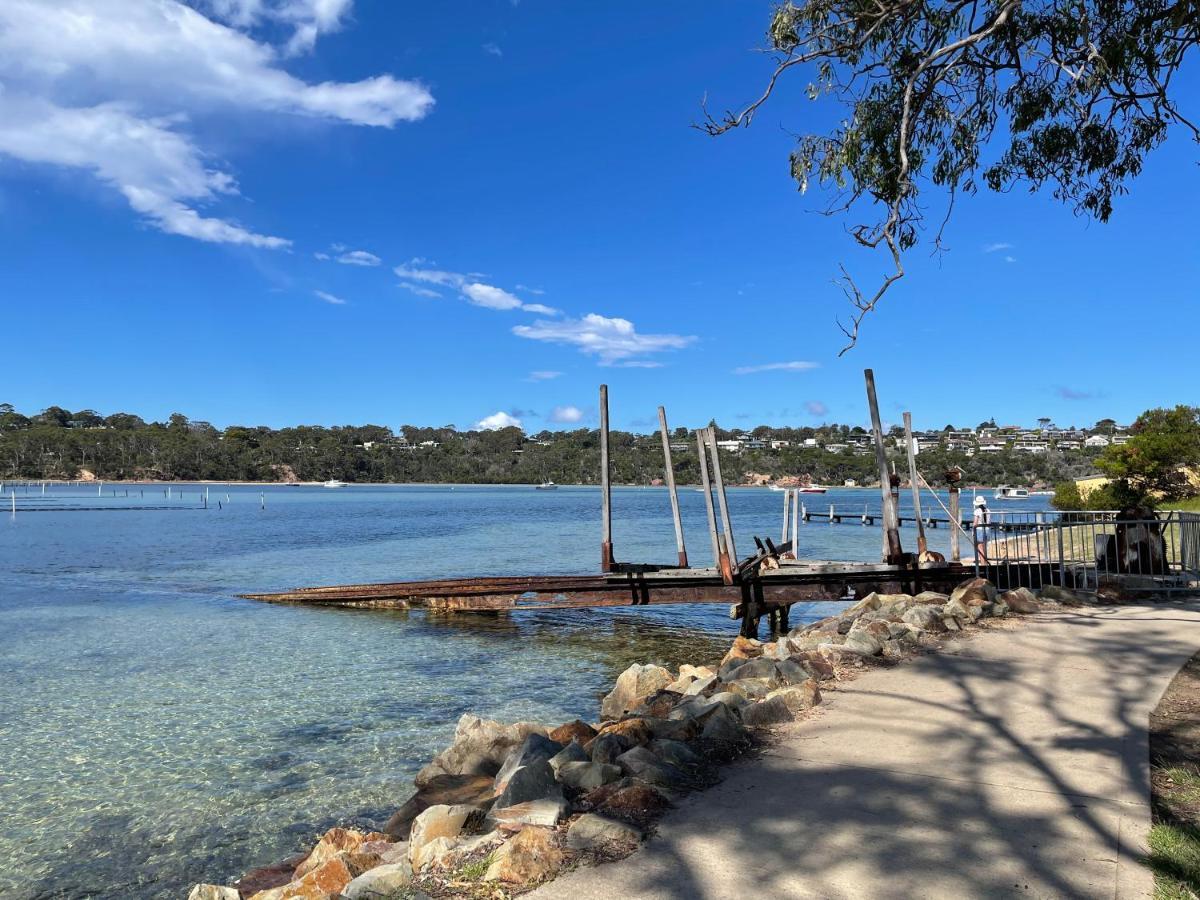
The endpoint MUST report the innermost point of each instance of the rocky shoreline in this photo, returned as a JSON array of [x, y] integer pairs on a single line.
[[507, 807]]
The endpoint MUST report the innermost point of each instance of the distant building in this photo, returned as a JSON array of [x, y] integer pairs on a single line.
[[730, 446], [1096, 440], [779, 445]]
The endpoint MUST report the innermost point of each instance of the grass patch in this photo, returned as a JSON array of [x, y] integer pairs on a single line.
[[1192, 504], [475, 870], [1175, 859]]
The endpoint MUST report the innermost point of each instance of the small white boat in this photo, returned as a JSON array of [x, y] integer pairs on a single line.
[[547, 486], [333, 483], [1004, 492], [812, 489]]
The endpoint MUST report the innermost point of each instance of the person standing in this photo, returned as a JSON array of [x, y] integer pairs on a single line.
[[979, 525]]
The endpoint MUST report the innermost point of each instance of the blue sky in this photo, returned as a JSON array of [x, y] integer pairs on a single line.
[[285, 211]]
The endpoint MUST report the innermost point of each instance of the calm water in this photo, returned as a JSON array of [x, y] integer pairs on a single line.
[[155, 731]]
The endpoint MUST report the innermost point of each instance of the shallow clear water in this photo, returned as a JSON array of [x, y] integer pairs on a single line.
[[156, 731]]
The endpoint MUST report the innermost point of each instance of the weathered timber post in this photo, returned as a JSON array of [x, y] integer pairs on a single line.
[[706, 485], [606, 547], [670, 472], [787, 507], [956, 524], [891, 525], [722, 502], [916, 488], [796, 507]]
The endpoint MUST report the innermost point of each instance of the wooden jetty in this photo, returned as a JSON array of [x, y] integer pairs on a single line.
[[765, 584]]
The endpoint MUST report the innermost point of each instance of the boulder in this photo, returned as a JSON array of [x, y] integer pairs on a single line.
[[974, 591], [382, 881], [927, 597], [816, 665], [680, 684], [607, 747], [587, 776], [480, 748], [774, 711], [636, 759], [798, 697], [636, 731], [547, 812], [678, 754], [626, 800], [752, 688], [962, 612], [1021, 600], [762, 667], [532, 782], [573, 752], [213, 892], [573, 731], [592, 830], [1061, 595], [441, 790], [531, 857], [432, 853], [729, 698], [863, 643], [633, 685], [438, 822], [658, 704], [996, 609], [333, 842], [266, 877], [702, 686], [330, 878], [673, 729], [723, 731], [696, 671], [743, 648], [535, 748], [927, 618]]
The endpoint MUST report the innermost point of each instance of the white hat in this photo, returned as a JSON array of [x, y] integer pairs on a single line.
[[980, 501]]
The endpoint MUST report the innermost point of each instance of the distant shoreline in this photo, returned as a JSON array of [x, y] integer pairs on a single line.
[[506, 484]]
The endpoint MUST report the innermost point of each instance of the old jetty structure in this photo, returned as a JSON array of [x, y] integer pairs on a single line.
[[1028, 550]]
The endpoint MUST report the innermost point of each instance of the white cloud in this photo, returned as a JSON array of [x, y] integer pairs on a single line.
[[323, 256], [108, 86], [999, 245], [475, 292], [489, 296], [530, 290], [795, 366], [358, 258], [816, 407], [492, 49], [1010, 259], [543, 375], [329, 298], [420, 291], [496, 421], [565, 415], [613, 341]]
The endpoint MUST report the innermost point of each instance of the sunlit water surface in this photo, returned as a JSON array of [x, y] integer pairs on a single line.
[[156, 731]]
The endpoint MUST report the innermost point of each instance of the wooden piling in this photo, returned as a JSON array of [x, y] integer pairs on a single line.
[[726, 525], [706, 486], [787, 508], [680, 548], [606, 547], [922, 547], [891, 527], [796, 507]]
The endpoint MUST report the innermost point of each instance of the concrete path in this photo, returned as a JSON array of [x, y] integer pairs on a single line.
[[1013, 763]]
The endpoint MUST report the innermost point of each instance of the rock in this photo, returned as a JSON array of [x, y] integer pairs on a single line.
[[996, 609], [635, 759], [573, 731], [1110, 592], [213, 892], [592, 830], [863, 643], [1061, 595], [636, 802], [974, 591], [816, 665], [480, 748], [607, 747], [330, 878], [571, 753], [774, 711], [441, 790], [633, 685], [532, 856], [696, 671], [587, 776], [729, 698], [636, 731], [723, 731], [951, 624], [658, 704], [431, 853], [798, 697], [790, 671], [752, 688], [702, 687], [441, 822], [333, 842], [532, 782], [678, 754], [1021, 600], [867, 604], [927, 618], [927, 597], [743, 648], [547, 812], [379, 882], [535, 748], [680, 685], [265, 878], [895, 649], [758, 668], [964, 614]]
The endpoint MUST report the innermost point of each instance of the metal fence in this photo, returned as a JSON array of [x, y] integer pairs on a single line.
[[1087, 550]]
